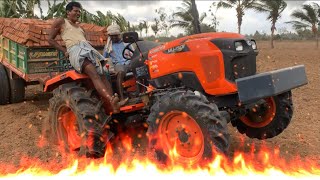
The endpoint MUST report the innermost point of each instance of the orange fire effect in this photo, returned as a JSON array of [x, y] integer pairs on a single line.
[[263, 165]]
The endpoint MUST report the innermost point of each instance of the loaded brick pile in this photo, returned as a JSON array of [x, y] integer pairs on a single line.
[[35, 32]]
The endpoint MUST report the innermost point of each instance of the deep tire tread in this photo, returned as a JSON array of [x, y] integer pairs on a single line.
[[280, 122], [213, 126], [84, 105]]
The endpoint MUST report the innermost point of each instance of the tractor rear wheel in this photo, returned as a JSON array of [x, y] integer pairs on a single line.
[[267, 120], [5, 88], [185, 128], [78, 120]]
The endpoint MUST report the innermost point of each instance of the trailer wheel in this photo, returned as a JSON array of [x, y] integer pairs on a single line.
[[17, 87], [4, 86]]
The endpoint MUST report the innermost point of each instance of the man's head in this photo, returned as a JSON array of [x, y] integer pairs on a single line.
[[73, 10], [114, 33]]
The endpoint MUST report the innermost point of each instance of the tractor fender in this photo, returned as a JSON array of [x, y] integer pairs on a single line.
[[66, 77]]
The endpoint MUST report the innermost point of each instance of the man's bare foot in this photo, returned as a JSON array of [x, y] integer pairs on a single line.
[[115, 101]]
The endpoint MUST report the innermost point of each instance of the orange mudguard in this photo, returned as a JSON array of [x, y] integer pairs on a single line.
[[62, 78]]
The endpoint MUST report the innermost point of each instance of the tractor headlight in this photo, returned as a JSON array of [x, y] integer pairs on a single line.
[[238, 46], [253, 45]]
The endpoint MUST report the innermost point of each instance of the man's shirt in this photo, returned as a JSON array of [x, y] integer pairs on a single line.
[[116, 53]]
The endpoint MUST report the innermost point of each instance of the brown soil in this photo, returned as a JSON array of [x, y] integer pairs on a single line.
[[21, 123]]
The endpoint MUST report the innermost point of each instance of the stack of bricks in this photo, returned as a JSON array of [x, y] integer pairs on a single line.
[[35, 32]]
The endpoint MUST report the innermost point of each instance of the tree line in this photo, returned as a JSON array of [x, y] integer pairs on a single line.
[[305, 19]]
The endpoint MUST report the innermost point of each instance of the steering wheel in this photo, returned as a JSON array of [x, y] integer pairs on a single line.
[[125, 53]]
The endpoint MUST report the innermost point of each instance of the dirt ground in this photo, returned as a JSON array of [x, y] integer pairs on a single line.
[[20, 124]]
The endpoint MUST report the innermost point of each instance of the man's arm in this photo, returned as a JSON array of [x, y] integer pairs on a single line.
[[106, 54], [55, 30]]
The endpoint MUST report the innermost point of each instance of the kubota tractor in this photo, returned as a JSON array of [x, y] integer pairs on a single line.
[[186, 91]]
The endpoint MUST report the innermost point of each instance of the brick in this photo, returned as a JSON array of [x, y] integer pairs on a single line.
[[45, 31], [35, 29], [34, 32], [23, 41], [30, 37], [42, 43], [38, 36], [29, 43], [42, 38], [15, 38]]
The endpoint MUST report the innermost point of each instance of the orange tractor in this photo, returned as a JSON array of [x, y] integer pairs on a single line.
[[187, 91]]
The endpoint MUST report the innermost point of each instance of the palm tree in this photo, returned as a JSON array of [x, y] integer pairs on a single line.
[[195, 15], [8, 9], [121, 21], [88, 17], [132, 27], [20, 8], [140, 28], [240, 6], [164, 20], [274, 9], [307, 18], [103, 20], [184, 18], [56, 10], [156, 26], [13, 8], [29, 8], [213, 12], [40, 8], [146, 26]]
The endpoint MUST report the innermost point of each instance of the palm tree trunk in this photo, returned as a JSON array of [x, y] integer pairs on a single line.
[[239, 16], [272, 34], [40, 8], [195, 14]]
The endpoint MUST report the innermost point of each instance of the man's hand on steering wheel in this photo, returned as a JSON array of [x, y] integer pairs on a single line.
[[125, 54]]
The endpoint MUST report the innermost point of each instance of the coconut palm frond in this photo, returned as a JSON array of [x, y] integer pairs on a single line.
[[299, 14], [298, 24], [223, 4], [311, 11], [249, 3]]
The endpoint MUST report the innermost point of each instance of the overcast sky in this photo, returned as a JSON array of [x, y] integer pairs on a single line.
[[136, 11]]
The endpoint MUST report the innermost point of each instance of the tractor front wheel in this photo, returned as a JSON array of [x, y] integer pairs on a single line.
[[78, 120], [185, 128]]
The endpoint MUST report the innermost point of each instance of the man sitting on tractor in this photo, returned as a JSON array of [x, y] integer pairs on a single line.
[[82, 56], [114, 50]]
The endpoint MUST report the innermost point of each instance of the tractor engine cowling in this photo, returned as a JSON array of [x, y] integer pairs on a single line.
[[208, 62]]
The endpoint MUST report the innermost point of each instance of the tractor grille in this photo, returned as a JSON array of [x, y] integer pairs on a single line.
[[242, 66], [238, 64]]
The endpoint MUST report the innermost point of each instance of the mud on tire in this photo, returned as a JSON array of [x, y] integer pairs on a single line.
[[187, 118], [78, 120], [280, 121]]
